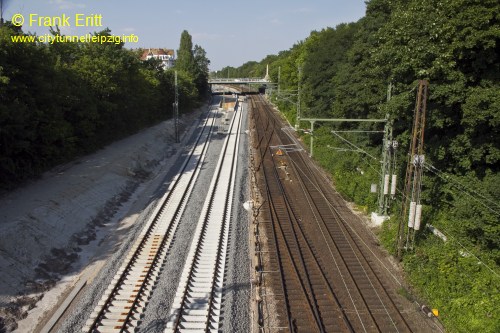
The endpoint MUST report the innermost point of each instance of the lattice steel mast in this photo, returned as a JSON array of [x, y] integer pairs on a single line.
[[411, 208], [387, 184]]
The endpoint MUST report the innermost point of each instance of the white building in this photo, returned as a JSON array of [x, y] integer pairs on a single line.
[[165, 55]]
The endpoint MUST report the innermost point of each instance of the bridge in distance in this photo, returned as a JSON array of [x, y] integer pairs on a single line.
[[261, 82], [239, 81]]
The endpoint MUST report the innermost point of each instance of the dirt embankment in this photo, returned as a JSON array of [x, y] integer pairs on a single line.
[[51, 228]]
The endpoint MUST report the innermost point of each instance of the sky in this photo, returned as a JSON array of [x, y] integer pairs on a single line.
[[231, 32]]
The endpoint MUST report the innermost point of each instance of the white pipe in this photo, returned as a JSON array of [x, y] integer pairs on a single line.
[[393, 185], [418, 215], [386, 184], [437, 232], [411, 215]]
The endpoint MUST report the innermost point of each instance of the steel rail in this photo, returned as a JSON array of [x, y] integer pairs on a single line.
[[305, 246], [308, 242], [379, 286], [342, 224], [282, 284], [279, 222], [197, 304], [139, 270]]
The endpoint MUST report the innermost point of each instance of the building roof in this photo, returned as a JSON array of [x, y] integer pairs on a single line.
[[156, 52]]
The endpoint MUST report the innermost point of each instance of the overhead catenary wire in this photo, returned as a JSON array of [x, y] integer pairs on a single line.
[[306, 176], [470, 252], [347, 224], [447, 178], [328, 245], [356, 131], [436, 172], [353, 145]]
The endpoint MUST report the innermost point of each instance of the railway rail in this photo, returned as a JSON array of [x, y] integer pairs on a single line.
[[123, 302], [197, 305], [320, 269]]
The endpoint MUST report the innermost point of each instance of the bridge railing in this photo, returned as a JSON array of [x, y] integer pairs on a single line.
[[236, 80]]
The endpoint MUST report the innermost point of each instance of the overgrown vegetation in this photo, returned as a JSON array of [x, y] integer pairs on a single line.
[[62, 100], [455, 44]]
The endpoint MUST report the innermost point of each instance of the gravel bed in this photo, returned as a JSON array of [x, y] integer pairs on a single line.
[[157, 311], [87, 302], [237, 289], [236, 298], [92, 293]]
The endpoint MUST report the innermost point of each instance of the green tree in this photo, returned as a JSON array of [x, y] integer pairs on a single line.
[[346, 70], [326, 52], [185, 58], [201, 69], [62, 100]]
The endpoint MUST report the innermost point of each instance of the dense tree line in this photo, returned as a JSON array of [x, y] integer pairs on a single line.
[[455, 44], [61, 100]]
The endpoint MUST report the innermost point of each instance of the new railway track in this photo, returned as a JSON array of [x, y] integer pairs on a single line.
[[317, 264], [122, 304], [198, 300]]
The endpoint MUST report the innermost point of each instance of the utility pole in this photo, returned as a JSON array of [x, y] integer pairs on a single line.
[[388, 155], [176, 110], [312, 121], [412, 209], [1, 13], [297, 122], [279, 79]]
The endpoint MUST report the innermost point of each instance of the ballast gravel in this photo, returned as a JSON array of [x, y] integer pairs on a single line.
[[236, 297]]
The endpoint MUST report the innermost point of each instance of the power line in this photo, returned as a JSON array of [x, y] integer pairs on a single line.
[[432, 169], [447, 234], [446, 177], [342, 218], [437, 172], [428, 167], [356, 131], [469, 252], [353, 145]]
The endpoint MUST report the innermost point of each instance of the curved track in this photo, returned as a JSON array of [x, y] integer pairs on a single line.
[[324, 269], [122, 304]]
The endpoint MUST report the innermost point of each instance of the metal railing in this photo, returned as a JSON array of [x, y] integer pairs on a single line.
[[238, 80]]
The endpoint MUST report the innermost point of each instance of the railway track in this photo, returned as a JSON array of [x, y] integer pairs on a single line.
[[311, 304], [122, 304], [197, 305], [372, 306], [322, 268]]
